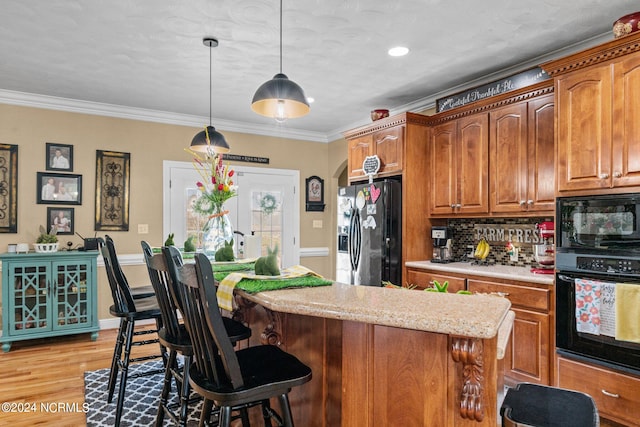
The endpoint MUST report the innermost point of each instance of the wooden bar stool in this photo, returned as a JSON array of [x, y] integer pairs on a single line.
[[543, 406]]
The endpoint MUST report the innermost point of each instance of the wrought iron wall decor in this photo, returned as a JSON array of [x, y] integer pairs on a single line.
[[8, 188], [112, 190]]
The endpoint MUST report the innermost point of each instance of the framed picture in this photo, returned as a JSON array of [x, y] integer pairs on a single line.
[[59, 189], [59, 157], [112, 190], [8, 188], [60, 219], [314, 194]]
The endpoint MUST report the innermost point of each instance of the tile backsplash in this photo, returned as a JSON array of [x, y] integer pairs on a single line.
[[465, 238]]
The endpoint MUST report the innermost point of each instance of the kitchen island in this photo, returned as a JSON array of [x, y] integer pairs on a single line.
[[387, 357]]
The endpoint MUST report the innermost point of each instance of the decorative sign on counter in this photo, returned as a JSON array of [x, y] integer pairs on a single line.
[[504, 233], [517, 81], [246, 159]]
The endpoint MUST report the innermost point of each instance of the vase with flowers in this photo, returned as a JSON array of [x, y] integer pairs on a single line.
[[216, 187]]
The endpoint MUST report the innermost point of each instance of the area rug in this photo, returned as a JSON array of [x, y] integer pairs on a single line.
[[141, 398]]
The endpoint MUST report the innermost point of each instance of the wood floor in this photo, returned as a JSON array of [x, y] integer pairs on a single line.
[[48, 375]]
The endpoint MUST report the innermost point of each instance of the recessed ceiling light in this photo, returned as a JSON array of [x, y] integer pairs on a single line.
[[398, 51]]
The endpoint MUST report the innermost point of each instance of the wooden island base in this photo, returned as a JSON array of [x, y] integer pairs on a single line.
[[367, 375]]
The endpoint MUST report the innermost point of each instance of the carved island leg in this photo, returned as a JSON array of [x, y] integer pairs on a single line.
[[272, 333], [469, 352]]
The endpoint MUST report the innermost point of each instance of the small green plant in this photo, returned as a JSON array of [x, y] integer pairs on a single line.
[[49, 237]]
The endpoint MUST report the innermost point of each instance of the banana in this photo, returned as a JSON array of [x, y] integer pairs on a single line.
[[487, 248], [482, 249]]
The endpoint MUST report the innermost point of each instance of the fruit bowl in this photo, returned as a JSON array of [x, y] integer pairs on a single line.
[[626, 25]]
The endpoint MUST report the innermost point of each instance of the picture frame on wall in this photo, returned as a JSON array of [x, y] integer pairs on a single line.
[[112, 190], [9, 186], [314, 191], [59, 157], [61, 220], [58, 188]]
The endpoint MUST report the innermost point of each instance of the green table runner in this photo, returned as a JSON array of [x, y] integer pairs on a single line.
[[258, 285]]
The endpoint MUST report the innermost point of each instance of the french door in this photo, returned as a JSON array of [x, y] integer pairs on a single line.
[[267, 208]]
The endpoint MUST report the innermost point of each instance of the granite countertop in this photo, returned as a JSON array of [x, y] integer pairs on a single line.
[[508, 272], [474, 316]]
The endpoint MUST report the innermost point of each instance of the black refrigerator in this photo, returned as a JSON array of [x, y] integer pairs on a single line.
[[369, 233]]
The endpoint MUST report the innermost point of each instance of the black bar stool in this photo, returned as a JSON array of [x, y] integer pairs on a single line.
[[543, 406]]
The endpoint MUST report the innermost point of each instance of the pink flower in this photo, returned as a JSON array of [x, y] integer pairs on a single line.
[[199, 184]]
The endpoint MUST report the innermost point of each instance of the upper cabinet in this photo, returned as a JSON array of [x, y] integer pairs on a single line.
[[387, 144], [459, 166], [495, 157], [521, 144], [598, 132]]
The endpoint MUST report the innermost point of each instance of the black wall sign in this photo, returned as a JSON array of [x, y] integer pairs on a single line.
[[247, 159], [517, 81]]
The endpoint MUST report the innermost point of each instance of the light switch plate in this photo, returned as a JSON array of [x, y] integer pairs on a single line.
[[143, 228], [317, 223]]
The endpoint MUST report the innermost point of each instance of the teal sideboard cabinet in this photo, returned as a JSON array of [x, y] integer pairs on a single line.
[[48, 294]]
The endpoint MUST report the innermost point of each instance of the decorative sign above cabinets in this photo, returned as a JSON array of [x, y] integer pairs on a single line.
[[517, 81]]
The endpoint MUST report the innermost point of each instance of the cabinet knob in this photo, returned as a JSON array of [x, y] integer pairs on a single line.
[[453, 205], [522, 202], [608, 393], [530, 202], [617, 174], [603, 176], [458, 205]]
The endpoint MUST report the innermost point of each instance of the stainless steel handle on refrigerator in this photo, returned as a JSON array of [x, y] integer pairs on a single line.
[[355, 239]]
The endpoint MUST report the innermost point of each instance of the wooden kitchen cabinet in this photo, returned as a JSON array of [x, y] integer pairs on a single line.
[[528, 356], [617, 395], [387, 144], [459, 166], [597, 108], [521, 144], [423, 279]]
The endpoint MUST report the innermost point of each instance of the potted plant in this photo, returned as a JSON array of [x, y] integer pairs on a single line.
[[46, 242]]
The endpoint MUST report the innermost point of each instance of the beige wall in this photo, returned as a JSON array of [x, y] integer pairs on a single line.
[[150, 144]]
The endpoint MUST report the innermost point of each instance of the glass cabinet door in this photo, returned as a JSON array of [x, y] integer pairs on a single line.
[[71, 304], [29, 307]]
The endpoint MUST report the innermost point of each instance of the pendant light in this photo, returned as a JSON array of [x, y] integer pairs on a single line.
[[280, 97], [209, 140]]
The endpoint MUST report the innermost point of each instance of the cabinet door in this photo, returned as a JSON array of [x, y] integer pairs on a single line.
[[389, 145], [584, 128], [508, 158], [443, 168], [626, 126], [72, 301], [423, 279], [527, 358], [540, 155], [29, 307], [473, 164], [359, 148]]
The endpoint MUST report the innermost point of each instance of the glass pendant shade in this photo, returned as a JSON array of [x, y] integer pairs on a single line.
[[216, 142], [281, 99]]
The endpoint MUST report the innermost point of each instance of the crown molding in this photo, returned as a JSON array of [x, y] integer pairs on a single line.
[[118, 111]]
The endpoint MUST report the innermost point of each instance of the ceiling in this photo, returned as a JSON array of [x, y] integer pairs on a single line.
[[146, 60]]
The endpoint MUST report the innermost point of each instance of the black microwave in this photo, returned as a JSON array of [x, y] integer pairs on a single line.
[[598, 224]]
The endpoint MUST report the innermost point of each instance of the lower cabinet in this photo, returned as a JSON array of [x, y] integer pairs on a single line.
[[528, 357], [617, 395], [423, 279], [48, 294]]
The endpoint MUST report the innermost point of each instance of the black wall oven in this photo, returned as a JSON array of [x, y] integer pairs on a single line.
[[597, 261]]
